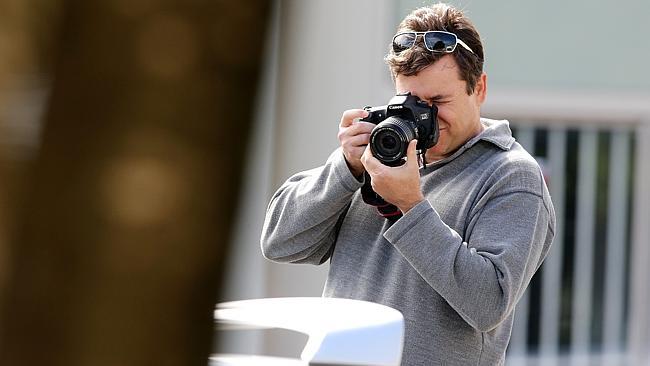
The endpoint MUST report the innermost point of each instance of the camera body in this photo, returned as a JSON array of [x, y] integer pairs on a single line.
[[403, 119]]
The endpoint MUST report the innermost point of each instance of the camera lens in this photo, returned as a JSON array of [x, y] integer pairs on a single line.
[[388, 142], [390, 139]]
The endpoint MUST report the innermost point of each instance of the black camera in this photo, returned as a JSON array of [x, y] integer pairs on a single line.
[[405, 118]]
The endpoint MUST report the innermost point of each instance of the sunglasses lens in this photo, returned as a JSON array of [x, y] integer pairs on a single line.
[[440, 42], [403, 41]]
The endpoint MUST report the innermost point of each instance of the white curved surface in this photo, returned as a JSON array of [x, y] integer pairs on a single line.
[[244, 360], [341, 331]]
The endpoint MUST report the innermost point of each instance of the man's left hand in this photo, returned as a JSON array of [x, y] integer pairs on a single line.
[[397, 185]]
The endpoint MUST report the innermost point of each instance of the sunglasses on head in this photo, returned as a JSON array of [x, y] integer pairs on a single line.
[[434, 41]]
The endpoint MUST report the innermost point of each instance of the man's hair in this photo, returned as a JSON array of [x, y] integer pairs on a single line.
[[439, 17]]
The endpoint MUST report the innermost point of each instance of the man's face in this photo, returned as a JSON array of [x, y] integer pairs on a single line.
[[458, 112]]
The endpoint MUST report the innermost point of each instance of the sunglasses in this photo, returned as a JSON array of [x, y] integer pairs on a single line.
[[434, 41]]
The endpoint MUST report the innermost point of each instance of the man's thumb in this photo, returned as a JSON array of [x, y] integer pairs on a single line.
[[410, 151]]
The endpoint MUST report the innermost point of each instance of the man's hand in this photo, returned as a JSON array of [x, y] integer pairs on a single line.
[[397, 185], [354, 136]]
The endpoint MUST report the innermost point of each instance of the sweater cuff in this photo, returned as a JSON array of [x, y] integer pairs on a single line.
[[410, 219], [343, 173], [418, 220]]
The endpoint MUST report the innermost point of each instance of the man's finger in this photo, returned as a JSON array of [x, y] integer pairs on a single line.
[[359, 140], [411, 149], [369, 161], [411, 153], [361, 127], [350, 115]]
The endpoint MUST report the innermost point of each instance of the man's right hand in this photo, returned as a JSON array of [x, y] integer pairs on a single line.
[[354, 136]]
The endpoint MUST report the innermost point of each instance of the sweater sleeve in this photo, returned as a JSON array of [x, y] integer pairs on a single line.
[[483, 275], [302, 218]]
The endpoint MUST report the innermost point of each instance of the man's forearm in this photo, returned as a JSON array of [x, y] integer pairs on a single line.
[[301, 219]]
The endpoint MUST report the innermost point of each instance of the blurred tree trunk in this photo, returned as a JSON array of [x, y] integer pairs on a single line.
[[16, 61], [117, 248]]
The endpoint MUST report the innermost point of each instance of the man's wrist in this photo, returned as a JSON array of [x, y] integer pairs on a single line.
[[357, 172], [407, 206]]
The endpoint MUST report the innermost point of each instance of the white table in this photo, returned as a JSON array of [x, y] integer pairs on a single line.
[[340, 331]]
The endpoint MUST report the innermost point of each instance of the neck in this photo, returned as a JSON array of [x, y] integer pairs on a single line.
[[432, 156]]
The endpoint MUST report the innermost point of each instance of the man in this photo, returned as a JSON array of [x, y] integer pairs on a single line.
[[476, 220]]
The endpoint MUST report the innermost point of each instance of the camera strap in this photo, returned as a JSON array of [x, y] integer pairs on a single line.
[[371, 197], [422, 160]]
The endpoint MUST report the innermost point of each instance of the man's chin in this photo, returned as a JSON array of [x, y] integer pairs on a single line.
[[436, 153]]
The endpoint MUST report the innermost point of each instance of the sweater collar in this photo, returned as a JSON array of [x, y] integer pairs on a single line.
[[496, 132]]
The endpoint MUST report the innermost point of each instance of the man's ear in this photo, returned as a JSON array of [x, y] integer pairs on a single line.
[[481, 88]]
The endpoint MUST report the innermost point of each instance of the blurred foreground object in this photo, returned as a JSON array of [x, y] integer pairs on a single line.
[[115, 252], [341, 331]]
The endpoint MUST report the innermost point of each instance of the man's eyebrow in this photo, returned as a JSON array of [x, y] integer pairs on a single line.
[[438, 97]]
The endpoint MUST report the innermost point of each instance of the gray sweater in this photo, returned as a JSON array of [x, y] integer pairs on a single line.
[[455, 265]]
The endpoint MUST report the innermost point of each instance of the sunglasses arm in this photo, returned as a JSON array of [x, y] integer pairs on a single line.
[[465, 46]]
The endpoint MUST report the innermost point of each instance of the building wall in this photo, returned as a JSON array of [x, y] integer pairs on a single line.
[[324, 56], [577, 45]]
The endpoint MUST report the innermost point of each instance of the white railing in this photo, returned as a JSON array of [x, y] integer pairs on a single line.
[[588, 310]]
